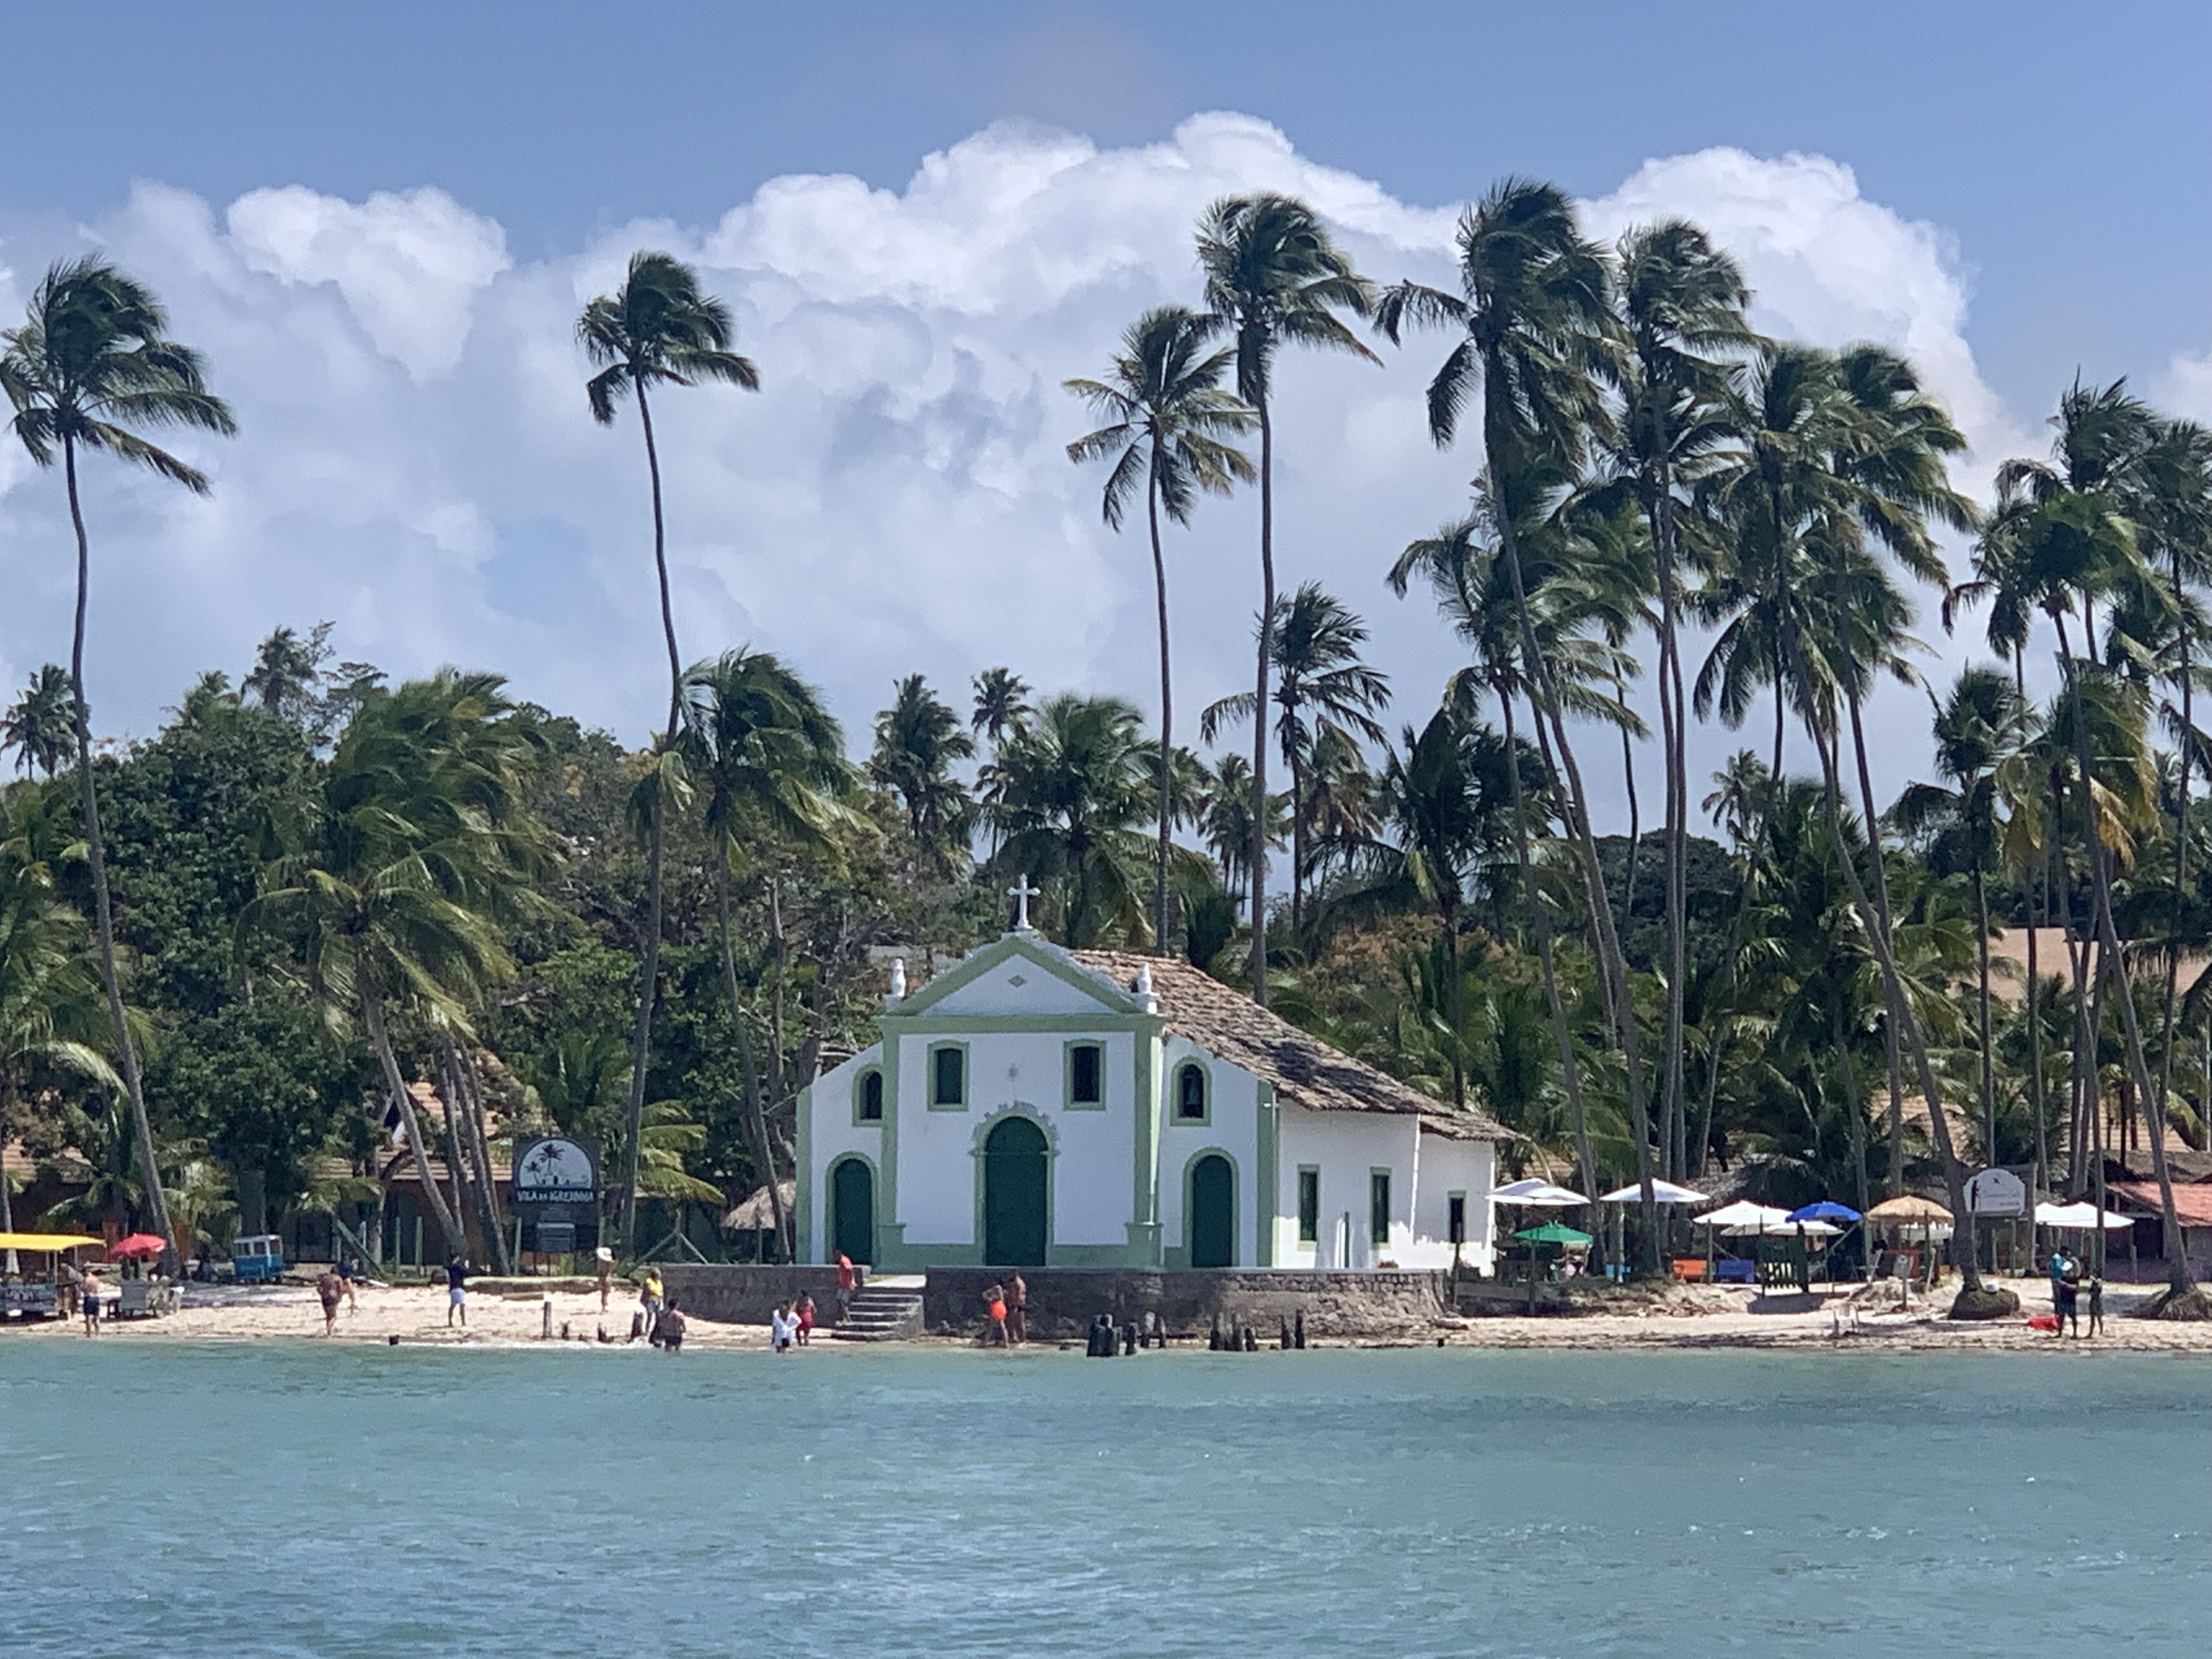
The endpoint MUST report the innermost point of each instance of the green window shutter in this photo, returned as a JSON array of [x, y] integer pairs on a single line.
[[1378, 1207], [949, 1078], [1309, 1206]]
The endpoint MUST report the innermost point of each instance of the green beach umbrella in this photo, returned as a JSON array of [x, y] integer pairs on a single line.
[[1552, 1232]]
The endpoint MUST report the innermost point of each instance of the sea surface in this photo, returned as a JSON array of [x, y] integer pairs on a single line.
[[348, 1501]]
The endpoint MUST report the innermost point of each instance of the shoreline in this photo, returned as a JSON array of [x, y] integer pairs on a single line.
[[415, 1317]]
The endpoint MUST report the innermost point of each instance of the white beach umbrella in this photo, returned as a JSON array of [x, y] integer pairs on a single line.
[[1662, 1191], [1543, 1194], [1743, 1215], [1808, 1229], [2082, 1215]]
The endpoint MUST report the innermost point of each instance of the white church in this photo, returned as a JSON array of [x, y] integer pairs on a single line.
[[1036, 1106]]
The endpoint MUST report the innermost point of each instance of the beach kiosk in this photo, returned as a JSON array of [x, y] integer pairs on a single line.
[[257, 1258], [33, 1289]]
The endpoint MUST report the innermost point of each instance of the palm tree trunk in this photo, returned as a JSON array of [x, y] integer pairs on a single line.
[[1667, 1149], [2038, 908], [1881, 908], [2180, 842], [462, 1115], [649, 977], [1259, 703], [1167, 709], [1850, 1064], [95, 847], [749, 1070], [379, 1042], [8, 1263], [1295, 762], [473, 1082], [1673, 738], [1540, 919], [1989, 1074]]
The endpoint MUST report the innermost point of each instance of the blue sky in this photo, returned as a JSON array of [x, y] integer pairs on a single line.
[[378, 221]]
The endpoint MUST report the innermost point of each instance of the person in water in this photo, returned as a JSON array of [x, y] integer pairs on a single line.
[[995, 1300], [330, 1290], [672, 1327]]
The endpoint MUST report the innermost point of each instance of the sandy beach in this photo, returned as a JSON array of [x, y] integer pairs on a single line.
[[1668, 1317]]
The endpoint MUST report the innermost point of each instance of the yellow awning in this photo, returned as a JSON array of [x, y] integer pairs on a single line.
[[44, 1240]]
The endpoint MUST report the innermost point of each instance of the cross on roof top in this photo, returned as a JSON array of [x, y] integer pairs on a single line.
[[1021, 892]]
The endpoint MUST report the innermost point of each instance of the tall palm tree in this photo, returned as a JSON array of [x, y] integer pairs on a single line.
[[1680, 303], [1273, 277], [1534, 308], [1322, 687], [37, 725], [1065, 795], [92, 367], [772, 760], [919, 740], [659, 329], [1170, 423], [1979, 726], [1001, 703], [1224, 817], [399, 874]]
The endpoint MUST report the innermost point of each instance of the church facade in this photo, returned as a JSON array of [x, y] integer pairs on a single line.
[[1036, 1106]]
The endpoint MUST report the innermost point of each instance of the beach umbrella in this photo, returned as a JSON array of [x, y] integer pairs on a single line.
[[1534, 1191], [1742, 1215], [1662, 1191], [1825, 1210], [136, 1244], [1552, 1232], [2080, 1217], [1911, 1210]]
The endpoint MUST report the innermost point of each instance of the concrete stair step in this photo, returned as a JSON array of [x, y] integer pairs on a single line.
[[881, 1314]]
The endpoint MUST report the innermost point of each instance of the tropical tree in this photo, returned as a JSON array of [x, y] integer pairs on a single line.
[[1323, 687], [1533, 310], [919, 740], [659, 329], [1064, 797], [37, 724], [1001, 703], [1168, 432], [1273, 277], [1224, 817], [91, 368], [772, 759]]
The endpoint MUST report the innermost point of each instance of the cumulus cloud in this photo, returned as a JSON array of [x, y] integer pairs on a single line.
[[417, 461]]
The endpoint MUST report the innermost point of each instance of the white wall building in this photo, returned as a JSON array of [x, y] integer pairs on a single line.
[[1044, 1106]]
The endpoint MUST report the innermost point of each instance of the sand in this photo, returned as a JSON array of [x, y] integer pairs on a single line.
[[1674, 1317]]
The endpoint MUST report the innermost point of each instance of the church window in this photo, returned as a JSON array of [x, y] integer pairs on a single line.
[[1190, 1094], [1309, 1206], [1086, 1075], [871, 1097], [1457, 1224], [1378, 1206], [948, 1075]]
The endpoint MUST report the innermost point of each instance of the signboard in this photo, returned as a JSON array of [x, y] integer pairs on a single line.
[[1997, 1192], [555, 1169]]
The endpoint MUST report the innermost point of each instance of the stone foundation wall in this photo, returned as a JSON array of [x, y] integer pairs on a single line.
[[744, 1294], [1064, 1300]]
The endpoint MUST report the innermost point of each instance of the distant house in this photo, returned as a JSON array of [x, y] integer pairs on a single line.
[[1033, 1105]]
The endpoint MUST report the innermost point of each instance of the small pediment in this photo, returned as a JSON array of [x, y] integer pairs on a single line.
[[1018, 974]]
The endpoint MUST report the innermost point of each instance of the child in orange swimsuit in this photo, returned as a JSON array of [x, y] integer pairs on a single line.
[[997, 1295]]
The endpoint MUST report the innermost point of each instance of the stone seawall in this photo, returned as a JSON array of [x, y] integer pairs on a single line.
[[1064, 1300], [745, 1295]]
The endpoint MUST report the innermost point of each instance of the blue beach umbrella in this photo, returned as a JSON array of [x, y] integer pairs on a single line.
[[1825, 1210]]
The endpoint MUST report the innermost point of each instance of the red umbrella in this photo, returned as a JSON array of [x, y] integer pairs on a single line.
[[137, 1244]]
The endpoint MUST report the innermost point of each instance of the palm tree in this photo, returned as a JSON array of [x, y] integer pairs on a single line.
[[37, 724], [1534, 310], [1224, 817], [1170, 423], [400, 871], [773, 759], [919, 740], [1001, 703], [1064, 797], [1979, 725], [1273, 277], [91, 366], [1680, 302], [1322, 688], [657, 330]]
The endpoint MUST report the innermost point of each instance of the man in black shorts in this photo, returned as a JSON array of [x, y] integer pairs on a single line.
[[669, 1332]]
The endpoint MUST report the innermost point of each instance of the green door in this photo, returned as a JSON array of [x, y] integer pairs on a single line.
[[853, 1210], [1212, 1222], [1014, 1196]]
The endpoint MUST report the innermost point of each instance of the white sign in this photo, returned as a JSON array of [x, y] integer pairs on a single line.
[[1997, 1192], [554, 1168]]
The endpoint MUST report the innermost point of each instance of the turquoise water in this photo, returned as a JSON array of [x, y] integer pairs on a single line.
[[355, 1501]]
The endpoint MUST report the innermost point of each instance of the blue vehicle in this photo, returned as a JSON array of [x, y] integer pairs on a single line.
[[259, 1260]]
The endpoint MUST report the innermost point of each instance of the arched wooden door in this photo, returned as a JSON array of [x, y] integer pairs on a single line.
[[1211, 1220], [1015, 1175], [853, 1210]]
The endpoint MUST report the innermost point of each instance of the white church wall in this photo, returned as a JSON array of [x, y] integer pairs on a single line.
[[832, 1133], [1018, 986], [1467, 1167], [1345, 1148], [1231, 1127]]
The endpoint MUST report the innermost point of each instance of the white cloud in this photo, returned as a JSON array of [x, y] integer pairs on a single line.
[[416, 460]]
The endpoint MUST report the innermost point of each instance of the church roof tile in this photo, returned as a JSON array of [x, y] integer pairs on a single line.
[[1305, 1071]]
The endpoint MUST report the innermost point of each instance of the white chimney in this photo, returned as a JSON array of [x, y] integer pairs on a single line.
[[1144, 989]]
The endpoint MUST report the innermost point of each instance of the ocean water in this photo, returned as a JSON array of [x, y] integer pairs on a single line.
[[348, 1501]]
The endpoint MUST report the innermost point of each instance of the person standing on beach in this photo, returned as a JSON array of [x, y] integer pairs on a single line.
[[2096, 1305], [457, 1291], [995, 1305], [654, 1295], [802, 1311], [332, 1290], [606, 1260], [847, 1283], [672, 1327], [1017, 1307], [91, 1295]]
